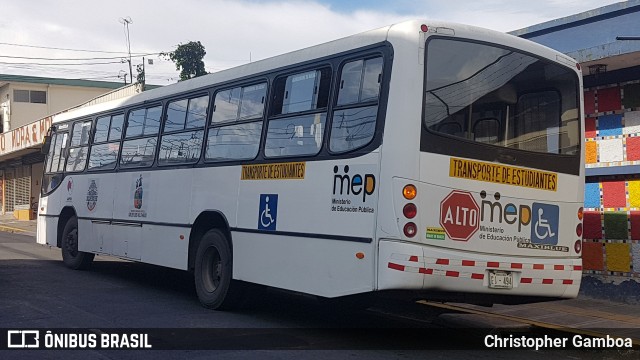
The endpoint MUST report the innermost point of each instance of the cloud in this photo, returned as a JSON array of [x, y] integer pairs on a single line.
[[231, 30]]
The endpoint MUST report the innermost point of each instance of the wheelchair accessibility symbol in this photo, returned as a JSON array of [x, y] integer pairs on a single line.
[[544, 225], [268, 212]]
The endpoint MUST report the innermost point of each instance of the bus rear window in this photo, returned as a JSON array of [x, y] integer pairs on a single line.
[[497, 96]]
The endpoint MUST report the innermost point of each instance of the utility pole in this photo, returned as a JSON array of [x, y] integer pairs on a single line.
[[126, 21]]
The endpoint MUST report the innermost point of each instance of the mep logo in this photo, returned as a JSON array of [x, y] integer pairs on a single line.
[[358, 185], [545, 224], [23, 339]]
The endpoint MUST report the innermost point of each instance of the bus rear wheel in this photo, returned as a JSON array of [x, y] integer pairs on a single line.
[[214, 263], [72, 258]]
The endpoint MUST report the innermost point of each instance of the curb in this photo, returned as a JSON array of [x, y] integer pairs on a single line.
[[15, 230]]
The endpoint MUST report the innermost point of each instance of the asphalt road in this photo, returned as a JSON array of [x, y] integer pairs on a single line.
[[38, 292]]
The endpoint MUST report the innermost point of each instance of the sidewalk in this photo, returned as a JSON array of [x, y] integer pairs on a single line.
[[583, 315], [10, 224]]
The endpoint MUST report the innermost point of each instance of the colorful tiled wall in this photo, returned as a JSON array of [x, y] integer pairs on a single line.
[[612, 226], [612, 125], [612, 203]]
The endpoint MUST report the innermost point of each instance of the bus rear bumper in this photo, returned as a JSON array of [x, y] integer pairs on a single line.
[[405, 266]]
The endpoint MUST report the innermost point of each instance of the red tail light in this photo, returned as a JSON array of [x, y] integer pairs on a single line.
[[410, 229], [578, 246], [409, 211], [579, 229]]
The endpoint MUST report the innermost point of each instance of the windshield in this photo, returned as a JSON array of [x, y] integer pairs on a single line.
[[497, 96]]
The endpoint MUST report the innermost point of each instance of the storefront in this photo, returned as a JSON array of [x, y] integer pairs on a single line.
[[21, 168]]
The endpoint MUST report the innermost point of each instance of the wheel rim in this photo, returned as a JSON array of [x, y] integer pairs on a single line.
[[71, 242], [212, 269]]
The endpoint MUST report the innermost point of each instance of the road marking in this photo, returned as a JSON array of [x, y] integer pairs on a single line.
[[636, 342], [14, 229]]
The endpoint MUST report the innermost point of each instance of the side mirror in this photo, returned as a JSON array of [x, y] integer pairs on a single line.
[[46, 144]]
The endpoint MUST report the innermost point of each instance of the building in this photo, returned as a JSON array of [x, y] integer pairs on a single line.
[[606, 42], [26, 103]]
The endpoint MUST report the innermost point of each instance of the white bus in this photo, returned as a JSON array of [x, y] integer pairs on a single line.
[[440, 159]]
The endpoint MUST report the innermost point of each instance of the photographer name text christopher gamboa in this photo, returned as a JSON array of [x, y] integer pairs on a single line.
[[576, 341]]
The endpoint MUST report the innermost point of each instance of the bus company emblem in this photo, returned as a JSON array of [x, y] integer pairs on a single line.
[[92, 195], [137, 195], [459, 215], [70, 189], [70, 186]]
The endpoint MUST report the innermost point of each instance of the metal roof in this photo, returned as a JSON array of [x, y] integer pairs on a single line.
[[6, 78], [591, 16]]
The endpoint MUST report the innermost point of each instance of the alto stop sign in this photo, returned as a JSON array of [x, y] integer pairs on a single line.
[[459, 215]]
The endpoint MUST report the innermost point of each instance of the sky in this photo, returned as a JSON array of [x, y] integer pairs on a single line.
[[34, 33]]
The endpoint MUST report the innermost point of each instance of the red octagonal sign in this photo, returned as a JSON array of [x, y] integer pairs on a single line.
[[459, 215]]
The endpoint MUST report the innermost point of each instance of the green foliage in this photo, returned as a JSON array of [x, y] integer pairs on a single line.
[[188, 59]]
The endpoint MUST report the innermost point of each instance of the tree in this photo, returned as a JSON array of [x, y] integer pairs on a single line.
[[188, 59]]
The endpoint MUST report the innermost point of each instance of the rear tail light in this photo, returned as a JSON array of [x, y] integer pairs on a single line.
[[410, 229], [578, 246], [409, 211], [580, 213], [409, 192], [579, 229]]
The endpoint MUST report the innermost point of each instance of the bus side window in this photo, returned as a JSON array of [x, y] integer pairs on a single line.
[[300, 92], [354, 126], [295, 134], [225, 107], [450, 128], [183, 133], [236, 123], [55, 163], [79, 146], [486, 131], [136, 151], [102, 129], [106, 142]]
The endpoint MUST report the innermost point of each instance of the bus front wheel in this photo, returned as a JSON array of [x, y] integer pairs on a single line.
[[214, 284], [72, 258]]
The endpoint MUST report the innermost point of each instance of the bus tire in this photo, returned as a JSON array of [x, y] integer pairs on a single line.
[[72, 258], [215, 286]]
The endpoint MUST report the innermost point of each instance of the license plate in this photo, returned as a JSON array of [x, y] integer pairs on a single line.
[[500, 280]]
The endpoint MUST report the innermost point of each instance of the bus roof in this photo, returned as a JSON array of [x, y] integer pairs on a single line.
[[392, 33]]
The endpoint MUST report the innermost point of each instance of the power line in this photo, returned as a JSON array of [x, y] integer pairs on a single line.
[[67, 49], [99, 78], [62, 64], [73, 59]]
